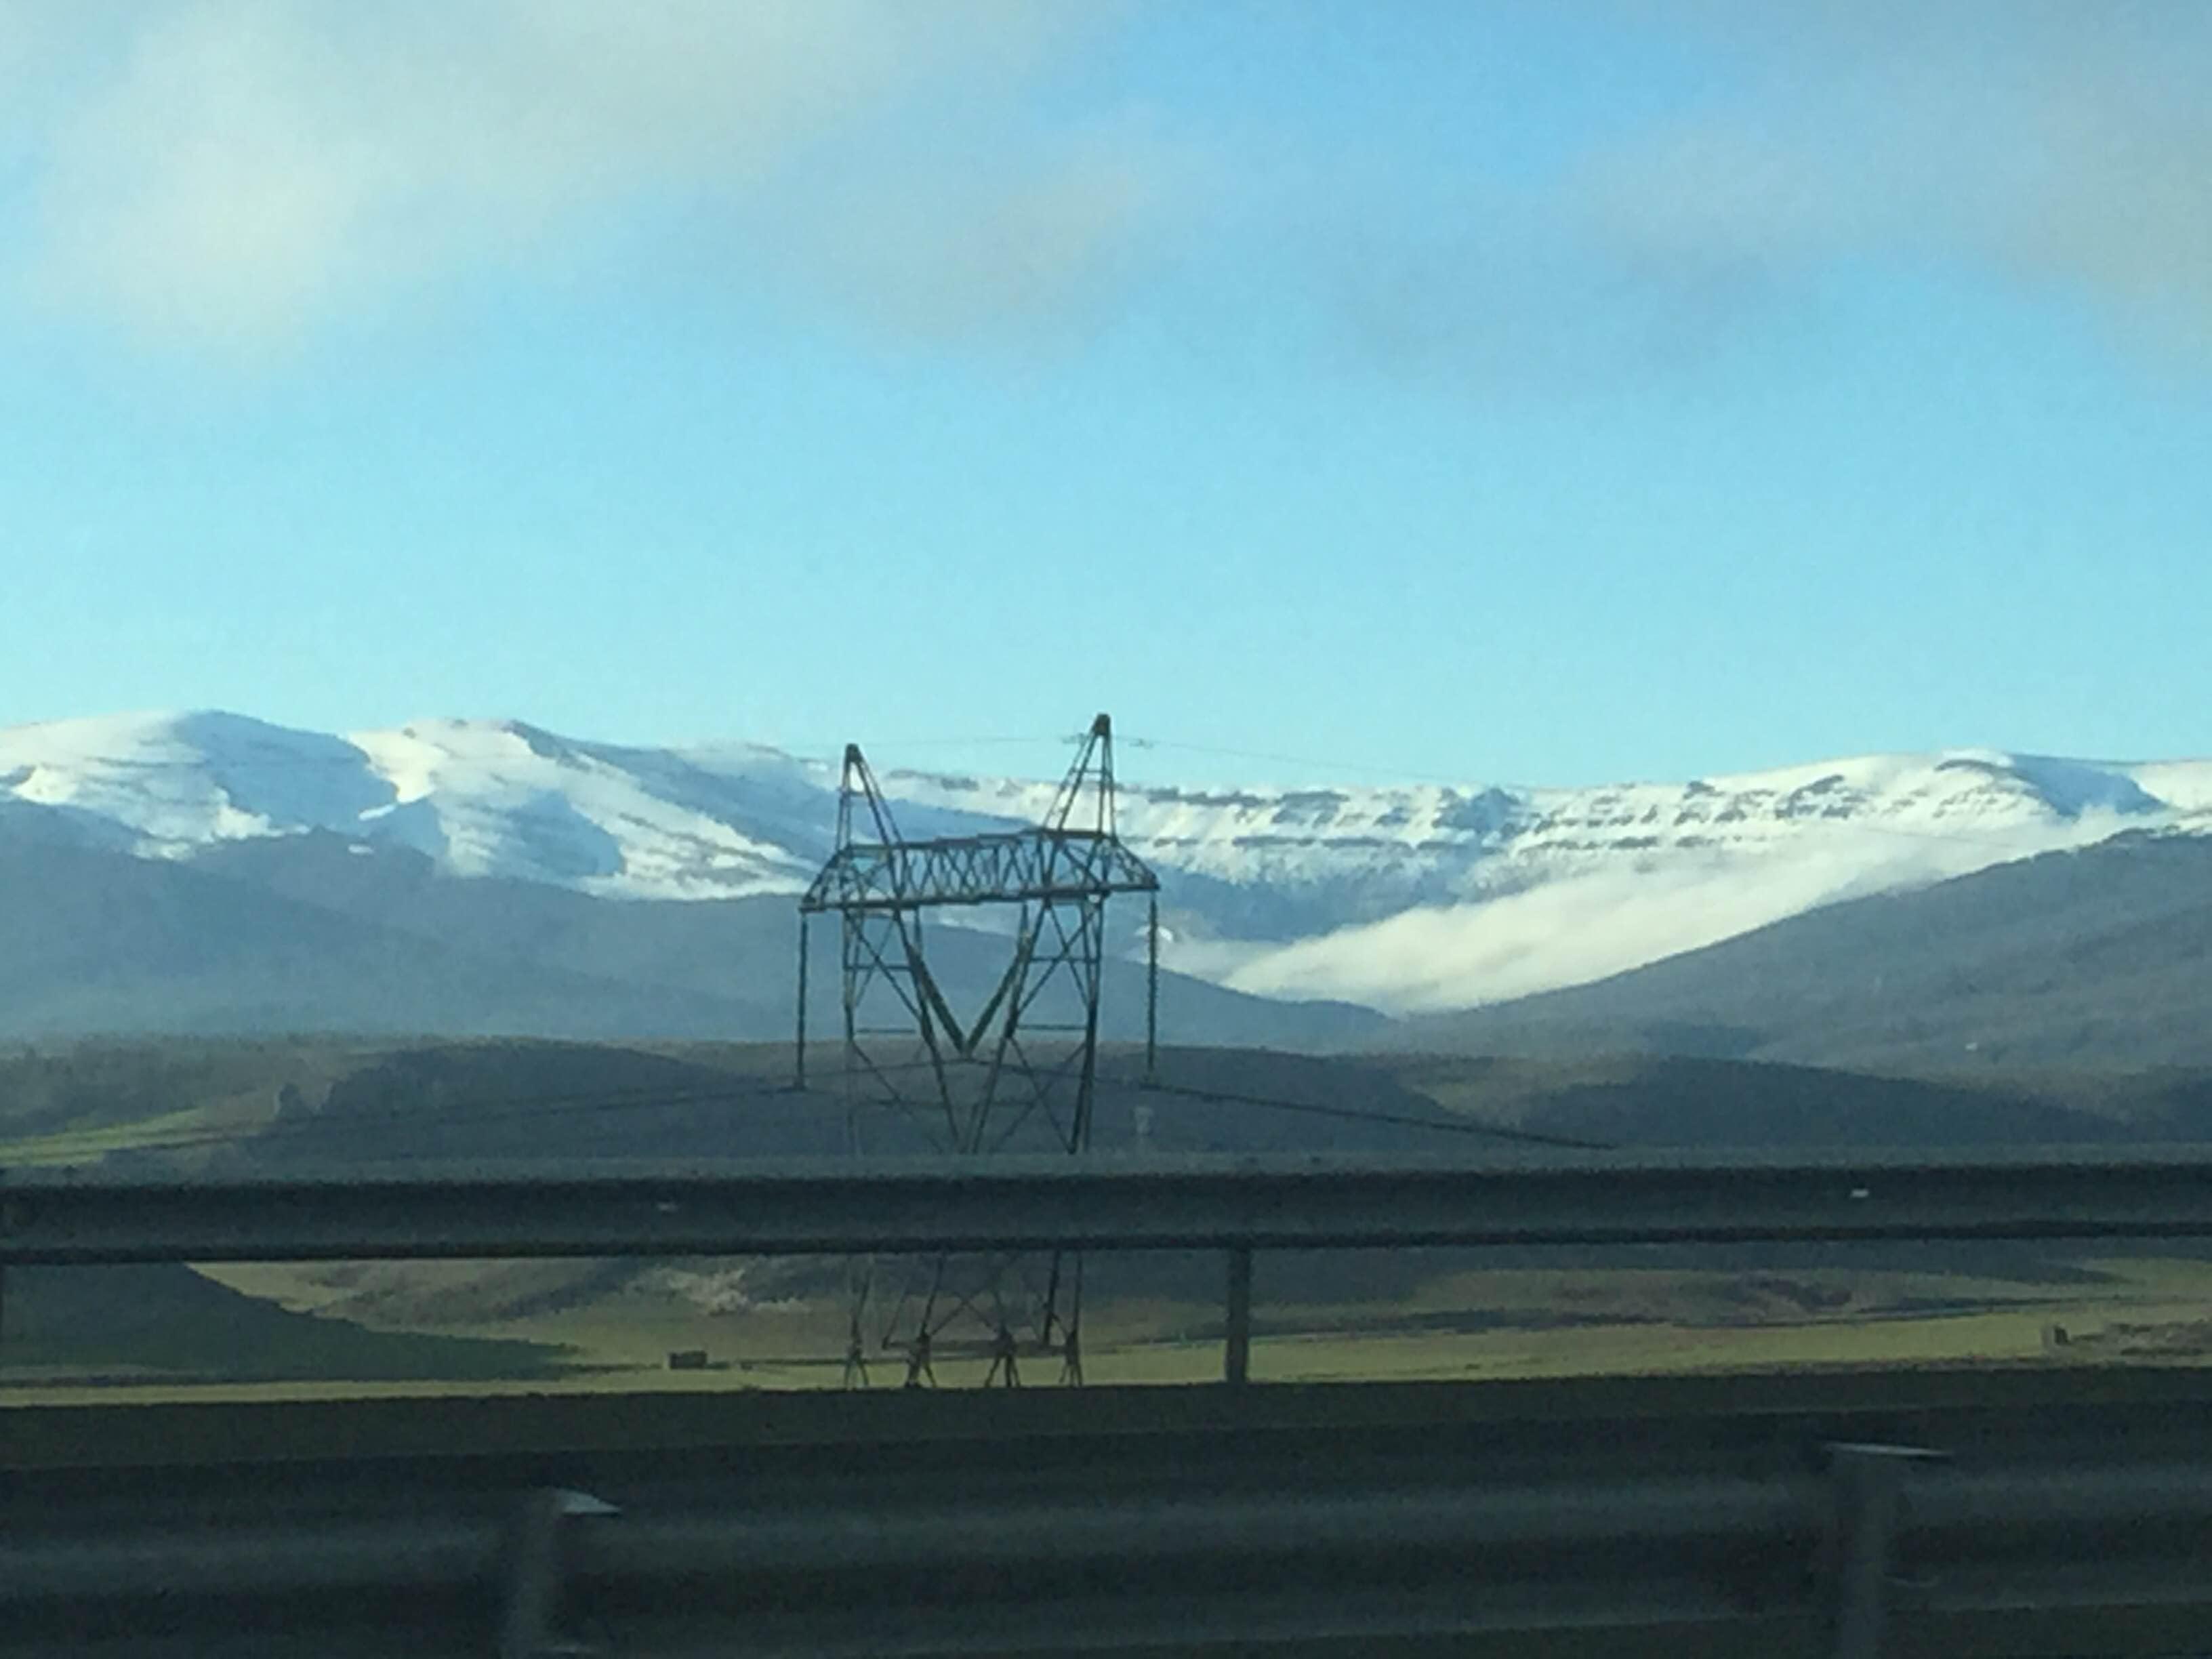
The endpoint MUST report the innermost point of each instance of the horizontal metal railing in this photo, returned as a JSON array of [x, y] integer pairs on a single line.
[[1442, 1532], [756, 1207], [1247, 1536]]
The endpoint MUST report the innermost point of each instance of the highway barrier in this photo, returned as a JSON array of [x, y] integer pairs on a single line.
[[2051, 1513]]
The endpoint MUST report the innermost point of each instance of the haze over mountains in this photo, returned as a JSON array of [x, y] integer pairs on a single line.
[[210, 871], [2085, 959]]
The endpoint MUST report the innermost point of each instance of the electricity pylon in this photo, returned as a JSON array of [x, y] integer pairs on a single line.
[[1020, 1075]]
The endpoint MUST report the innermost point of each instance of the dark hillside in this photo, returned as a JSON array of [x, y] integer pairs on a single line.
[[316, 934], [90, 1323], [98, 942], [290, 1104], [2098, 959]]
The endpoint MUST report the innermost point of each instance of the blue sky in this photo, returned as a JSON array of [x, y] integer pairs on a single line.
[[1547, 393]]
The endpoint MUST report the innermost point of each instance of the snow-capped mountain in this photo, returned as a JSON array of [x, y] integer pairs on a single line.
[[1405, 898]]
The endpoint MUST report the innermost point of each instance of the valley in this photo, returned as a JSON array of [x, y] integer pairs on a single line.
[[237, 947], [149, 1106]]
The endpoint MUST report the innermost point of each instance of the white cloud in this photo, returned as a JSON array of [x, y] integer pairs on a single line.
[[949, 244], [237, 172], [244, 169], [2046, 148], [2057, 147], [1573, 929]]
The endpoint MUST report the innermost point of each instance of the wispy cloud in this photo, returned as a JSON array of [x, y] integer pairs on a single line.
[[2059, 147], [1576, 928], [951, 242], [2058, 152], [236, 171]]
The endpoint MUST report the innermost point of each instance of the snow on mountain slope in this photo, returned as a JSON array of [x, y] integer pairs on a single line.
[[1407, 898], [180, 781], [499, 797], [481, 796]]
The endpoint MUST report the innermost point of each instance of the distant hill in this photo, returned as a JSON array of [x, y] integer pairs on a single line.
[[324, 1102], [166, 1320], [1419, 898], [321, 1104], [2100, 959], [316, 933], [99, 942], [278, 1105]]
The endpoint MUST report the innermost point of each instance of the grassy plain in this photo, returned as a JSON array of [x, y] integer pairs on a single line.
[[1516, 1323], [309, 1329], [89, 1143]]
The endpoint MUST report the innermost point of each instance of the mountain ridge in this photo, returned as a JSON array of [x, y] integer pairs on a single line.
[[2098, 956], [1408, 899]]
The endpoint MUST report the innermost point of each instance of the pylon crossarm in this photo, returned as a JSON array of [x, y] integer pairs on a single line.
[[993, 869]]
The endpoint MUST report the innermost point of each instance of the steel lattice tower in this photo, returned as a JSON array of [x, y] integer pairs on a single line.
[[1020, 1075]]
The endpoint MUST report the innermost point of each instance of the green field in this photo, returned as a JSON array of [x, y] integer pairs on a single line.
[[89, 1143], [371, 1326], [282, 1329], [605, 1329]]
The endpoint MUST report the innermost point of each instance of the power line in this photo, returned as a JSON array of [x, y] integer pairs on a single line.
[[1350, 1113], [1277, 759], [463, 1115], [1524, 791], [823, 757], [471, 1113], [482, 1109], [467, 1112]]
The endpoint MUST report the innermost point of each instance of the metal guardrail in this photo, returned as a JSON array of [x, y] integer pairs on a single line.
[[838, 1206], [1256, 1535], [1237, 1205], [1420, 1528]]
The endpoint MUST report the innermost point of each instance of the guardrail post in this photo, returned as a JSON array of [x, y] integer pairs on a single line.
[[1237, 1335], [798, 1042], [1869, 1488], [1152, 994], [531, 1593]]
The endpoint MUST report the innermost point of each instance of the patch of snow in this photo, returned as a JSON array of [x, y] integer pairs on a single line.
[[1425, 897], [180, 781]]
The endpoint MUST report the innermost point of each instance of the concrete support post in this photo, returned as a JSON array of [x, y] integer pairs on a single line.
[[1236, 1345], [1152, 994], [531, 1600], [1870, 1491], [798, 1067]]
